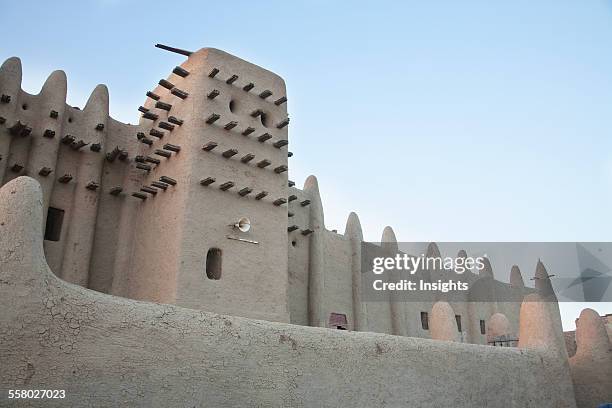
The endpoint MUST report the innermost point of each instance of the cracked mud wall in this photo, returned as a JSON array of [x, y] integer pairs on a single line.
[[110, 351]]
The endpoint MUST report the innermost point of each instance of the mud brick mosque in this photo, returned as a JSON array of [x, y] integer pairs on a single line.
[[172, 263]]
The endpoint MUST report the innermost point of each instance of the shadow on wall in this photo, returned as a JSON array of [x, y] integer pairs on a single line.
[[110, 351]]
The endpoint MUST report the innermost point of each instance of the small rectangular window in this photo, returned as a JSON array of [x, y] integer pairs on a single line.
[[458, 319], [338, 321], [482, 327], [53, 228], [424, 321], [213, 263]]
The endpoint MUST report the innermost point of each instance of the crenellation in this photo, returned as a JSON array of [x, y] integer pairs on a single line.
[[516, 278], [80, 235], [591, 365], [227, 97], [148, 220], [442, 323]]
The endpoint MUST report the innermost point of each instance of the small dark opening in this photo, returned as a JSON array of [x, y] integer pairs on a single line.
[[424, 320], [338, 320], [53, 229], [483, 328], [458, 318], [24, 106], [293, 243], [232, 106], [213, 263], [264, 119]]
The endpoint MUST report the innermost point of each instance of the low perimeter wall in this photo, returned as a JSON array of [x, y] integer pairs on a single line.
[[109, 351]]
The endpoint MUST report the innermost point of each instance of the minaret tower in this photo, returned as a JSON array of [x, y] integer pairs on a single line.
[[228, 118]]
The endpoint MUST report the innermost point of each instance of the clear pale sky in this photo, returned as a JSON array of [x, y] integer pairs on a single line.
[[449, 121]]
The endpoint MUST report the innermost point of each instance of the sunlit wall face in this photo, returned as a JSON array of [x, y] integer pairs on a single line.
[[462, 121]]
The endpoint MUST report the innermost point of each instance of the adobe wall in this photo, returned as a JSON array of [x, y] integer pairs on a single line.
[[137, 221], [591, 363], [88, 166], [325, 277], [111, 239], [154, 246], [65, 149], [254, 276], [112, 351]]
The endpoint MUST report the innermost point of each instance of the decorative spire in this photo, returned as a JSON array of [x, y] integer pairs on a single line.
[[516, 278]]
